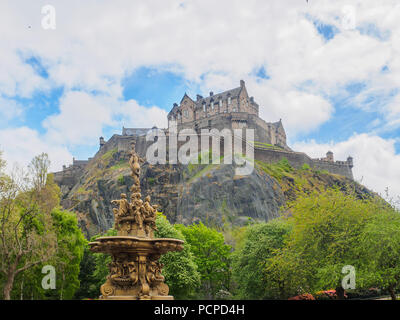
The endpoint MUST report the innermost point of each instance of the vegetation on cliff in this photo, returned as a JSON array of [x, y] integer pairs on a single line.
[[210, 193]]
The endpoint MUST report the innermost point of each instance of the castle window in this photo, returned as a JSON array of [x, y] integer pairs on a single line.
[[220, 103], [204, 107], [229, 100], [212, 105]]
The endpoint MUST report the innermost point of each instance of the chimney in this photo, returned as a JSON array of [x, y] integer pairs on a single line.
[[175, 104], [211, 93], [242, 83], [199, 97], [252, 99]]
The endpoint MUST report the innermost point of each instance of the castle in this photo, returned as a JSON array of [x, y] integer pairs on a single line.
[[231, 109]]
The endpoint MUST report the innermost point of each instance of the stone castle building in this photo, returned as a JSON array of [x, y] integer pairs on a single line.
[[231, 109]]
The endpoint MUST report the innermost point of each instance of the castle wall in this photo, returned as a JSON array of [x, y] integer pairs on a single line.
[[298, 159], [121, 143], [334, 167], [191, 112], [68, 177], [135, 131], [218, 108], [237, 120]]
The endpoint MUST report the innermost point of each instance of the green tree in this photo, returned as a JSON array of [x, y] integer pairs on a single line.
[[27, 238], [39, 167], [70, 247], [380, 247], [212, 257], [27, 284], [34, 232], [327, 230], [180, 270], [88, 288], [66, 261], [259, 244]]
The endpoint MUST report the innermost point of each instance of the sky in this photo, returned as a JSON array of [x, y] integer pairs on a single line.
[[329, 69]]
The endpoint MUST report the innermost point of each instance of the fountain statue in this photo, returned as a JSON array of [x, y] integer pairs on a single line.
[[135, 270]]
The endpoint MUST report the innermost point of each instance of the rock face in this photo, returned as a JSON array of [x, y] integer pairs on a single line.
[[186, 194], [214, 195]]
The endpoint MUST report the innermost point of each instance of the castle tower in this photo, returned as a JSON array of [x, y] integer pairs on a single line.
[[329, 156], [102, 142], [350, 161]]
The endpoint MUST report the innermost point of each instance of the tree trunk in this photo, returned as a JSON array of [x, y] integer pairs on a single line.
[[62, 285], [391, 291], [22, 289], [9, 284], [340, 293]]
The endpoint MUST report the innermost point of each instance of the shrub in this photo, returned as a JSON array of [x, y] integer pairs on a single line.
[[327, 295], [304, 296], [121, 180], [151, 181]]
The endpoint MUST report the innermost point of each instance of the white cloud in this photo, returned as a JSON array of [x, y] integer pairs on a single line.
[[80, 121], [9, 109], [98, 43], [300, 111], [376, 163], [83, 116], [138, 116], [22, 144]]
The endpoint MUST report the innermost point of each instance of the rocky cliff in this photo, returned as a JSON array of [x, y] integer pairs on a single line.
[[210, 193]]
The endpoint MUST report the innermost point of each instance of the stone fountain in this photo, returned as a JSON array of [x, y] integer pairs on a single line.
[[135, 270]]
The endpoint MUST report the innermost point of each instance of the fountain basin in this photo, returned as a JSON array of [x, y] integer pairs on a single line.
[[130, 244]]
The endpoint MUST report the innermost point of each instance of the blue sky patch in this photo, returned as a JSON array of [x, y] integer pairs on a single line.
[[37, 108], [149, 87], [397, 147], [385, 69], [37, 66], [261, 73], [343, 124], [355, 88], [372, 30], [326, 30]]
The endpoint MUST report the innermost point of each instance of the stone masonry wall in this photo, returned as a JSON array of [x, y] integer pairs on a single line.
[[298, 159]]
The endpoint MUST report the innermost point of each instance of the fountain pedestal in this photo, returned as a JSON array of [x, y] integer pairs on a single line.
[[135, 270]]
